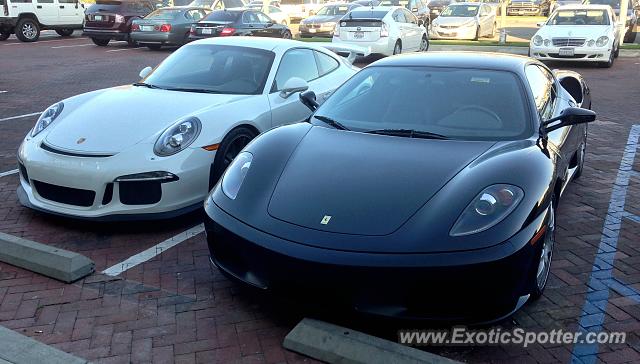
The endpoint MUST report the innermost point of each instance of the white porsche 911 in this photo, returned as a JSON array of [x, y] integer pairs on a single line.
[[155, 148]]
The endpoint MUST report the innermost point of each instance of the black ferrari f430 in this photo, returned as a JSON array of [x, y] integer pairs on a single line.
[[425, 187]]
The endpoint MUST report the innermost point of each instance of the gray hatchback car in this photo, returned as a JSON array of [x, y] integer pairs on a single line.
[[166, 26]]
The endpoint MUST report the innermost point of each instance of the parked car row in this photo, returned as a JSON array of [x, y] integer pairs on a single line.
[[400, 190]]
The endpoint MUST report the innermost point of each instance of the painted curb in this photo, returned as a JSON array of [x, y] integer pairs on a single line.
[[20, 349], [624, 53], [60, 264], [334, 344]]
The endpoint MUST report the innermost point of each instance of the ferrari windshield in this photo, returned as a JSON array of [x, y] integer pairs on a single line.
[[454, 103], [209, 68], [579, 17], [460, 10]]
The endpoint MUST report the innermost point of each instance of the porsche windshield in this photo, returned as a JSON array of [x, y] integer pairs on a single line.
[[580, 17], [460, 10], [211, 68], [453, 103]]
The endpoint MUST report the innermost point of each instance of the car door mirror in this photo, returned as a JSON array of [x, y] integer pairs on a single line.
[[308, 98], [293, 85], [570, 116], [145, 72]]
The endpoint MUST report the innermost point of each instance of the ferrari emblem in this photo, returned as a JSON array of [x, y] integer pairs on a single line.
[[81, 140], [325, 220]]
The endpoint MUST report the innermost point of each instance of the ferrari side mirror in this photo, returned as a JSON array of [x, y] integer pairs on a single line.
[[570, 116], [308, 98]]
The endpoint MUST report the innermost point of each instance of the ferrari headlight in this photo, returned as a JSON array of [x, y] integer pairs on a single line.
[[46, 118], [235, 174], [602, 41], [177, 137], [537, 40], [487, 209]]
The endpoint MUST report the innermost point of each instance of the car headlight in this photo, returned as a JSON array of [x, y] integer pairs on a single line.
[[487, 209], [46, 118], [591, 43], [235, 174], [537, 40], [547, 42], [177, 137], [602, 41]]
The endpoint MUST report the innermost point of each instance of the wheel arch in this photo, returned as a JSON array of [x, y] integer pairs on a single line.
[[31, 16]]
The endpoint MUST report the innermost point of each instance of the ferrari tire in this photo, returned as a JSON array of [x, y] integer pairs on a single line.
[[582, 151], [231, 145]]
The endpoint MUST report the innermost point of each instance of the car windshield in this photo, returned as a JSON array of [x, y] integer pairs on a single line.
[[212, 68], [456, 103], [403, 3], [579, 17], [223, 16], [367, 14], [460, 11], [167, 14], [333, 10]]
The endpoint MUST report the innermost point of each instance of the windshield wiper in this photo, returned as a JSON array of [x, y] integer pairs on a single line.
[[197, 90], [147, 85], [328, 120], [411, 133]]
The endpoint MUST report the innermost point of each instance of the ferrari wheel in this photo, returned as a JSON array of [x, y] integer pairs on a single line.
[[231, 145], [545, 255]]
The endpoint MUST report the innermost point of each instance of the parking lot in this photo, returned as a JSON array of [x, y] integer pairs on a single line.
[[176, 308]]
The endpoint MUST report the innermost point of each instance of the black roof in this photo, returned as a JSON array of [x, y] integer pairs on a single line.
[[486, 60]]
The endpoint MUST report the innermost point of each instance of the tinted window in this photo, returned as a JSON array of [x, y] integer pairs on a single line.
[[105, 5], [296, 63], [410, 17], [470, 104], [214, 68], [262, 18], [579, 17], [223, 16], [326, 63], [21, 1], [542, 87], [250, 17]]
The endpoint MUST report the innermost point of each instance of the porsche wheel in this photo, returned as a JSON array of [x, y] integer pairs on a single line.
[[231, 145], [545, 255]]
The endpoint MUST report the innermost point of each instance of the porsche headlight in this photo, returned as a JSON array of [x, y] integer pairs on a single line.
[[487, 209], [235, 174], [177, 137], [537, 40], [46, 118], [602, 41]]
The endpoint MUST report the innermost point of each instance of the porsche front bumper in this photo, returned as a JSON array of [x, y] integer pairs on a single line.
[[90, 187], [478, 286]]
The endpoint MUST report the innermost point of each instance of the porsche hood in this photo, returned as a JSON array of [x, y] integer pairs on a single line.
[[118, 118], [341, 187]]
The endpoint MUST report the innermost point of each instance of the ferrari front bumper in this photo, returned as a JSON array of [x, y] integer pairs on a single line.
[[477, 286]]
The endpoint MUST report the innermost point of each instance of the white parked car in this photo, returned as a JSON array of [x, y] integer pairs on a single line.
[[578, 33], [273, 12], [26, 18], [301, 9], [156, 148], [465, 21], [383, 30]]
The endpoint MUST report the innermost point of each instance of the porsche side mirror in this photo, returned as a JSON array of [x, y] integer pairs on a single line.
[[308, 98], [145, 72], [293, 85], [570, 116]]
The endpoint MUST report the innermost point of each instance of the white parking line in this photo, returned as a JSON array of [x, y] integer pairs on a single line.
[[8, 173], [3, 92], [73, 46], [153, 251], [45, 41], [123, 49], [21, 116]]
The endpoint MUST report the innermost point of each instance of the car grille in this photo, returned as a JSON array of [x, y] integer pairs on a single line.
[[65, 195], [449, 26], [575, 56], [568, 42]]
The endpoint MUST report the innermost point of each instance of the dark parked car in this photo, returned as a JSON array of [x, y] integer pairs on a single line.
[[108, 20], [426, 186], [166, 26], [419, 8], [529, 7], [633, 15], [223, 23], [324, 22], [436, 7]]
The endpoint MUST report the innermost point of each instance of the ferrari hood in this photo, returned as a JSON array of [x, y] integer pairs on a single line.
[[121, 117], [364, 184]]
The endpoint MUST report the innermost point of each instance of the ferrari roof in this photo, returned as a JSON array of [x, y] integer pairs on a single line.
[[485, 60]]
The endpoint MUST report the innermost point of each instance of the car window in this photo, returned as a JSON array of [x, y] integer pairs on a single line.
[[468, 104], [263, 18], [460, 10], [296, 63], [273, 9], [223, 16], [45, 1], [249, 17], [543, 89], [398, 16], [214, 68], [410, 17], [579, 17], [326, 63], [166, 14], [67, 1]]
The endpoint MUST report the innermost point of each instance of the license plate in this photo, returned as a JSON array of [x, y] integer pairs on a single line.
[[207, 31], [358, 35], [97, 17], [146, 28], [312, 30], [566, 51]]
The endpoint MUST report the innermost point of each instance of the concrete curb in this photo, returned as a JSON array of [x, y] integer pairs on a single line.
[[335, 344], [20, 349], [56, 263], [624, 53]]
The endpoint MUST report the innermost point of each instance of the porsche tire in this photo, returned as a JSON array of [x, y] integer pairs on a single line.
[[229, 148]]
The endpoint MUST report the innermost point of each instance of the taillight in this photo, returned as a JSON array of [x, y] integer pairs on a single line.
[[384, 30], [227, 31], [165, 28], [135, 28]]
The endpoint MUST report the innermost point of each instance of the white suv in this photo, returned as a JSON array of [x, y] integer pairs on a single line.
[[26, 18]]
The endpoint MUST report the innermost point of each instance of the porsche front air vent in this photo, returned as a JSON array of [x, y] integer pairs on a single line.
[[65, 195]]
